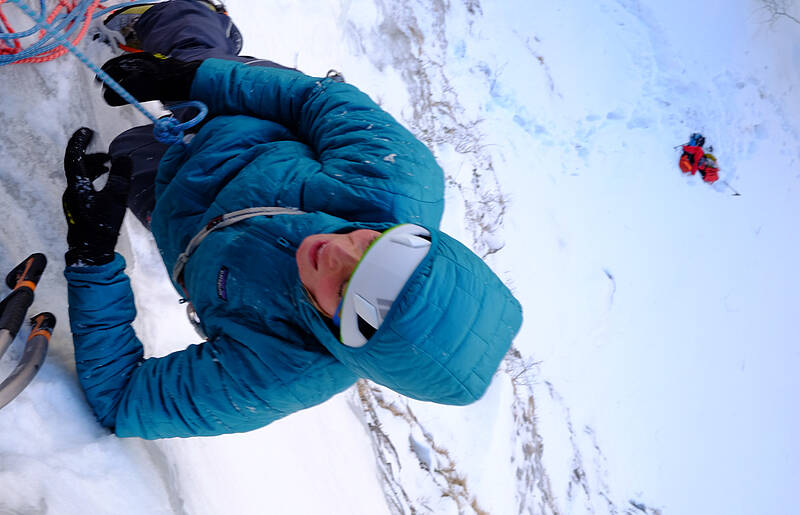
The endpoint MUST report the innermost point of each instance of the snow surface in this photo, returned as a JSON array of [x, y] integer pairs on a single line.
[[655, 370]]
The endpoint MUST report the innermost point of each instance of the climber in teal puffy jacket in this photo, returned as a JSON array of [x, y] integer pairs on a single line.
[[301, 222]]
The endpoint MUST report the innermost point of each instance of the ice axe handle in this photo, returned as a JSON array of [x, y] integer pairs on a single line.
[[22, 279], [32, 358]]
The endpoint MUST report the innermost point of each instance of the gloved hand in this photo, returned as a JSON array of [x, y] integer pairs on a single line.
[[148, 77], [93, 217]]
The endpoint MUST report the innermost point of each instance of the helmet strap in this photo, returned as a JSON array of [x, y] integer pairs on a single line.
[[336, 320], [316, 304]]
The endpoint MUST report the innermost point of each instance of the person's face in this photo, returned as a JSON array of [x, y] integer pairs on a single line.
[[326, 261]]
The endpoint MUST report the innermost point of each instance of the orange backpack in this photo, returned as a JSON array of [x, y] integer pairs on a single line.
[[685, 163]]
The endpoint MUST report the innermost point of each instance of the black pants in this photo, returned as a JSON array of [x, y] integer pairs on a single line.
[[187, 30]]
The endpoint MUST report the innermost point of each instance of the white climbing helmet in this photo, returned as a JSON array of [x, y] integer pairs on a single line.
[[378, 279]]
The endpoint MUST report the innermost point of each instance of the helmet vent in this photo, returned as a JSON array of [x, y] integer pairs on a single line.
[[384, 305], [366, 330]]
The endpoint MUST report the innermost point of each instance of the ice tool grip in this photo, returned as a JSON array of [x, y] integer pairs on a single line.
[[27, 273], [13, 309], [43, 325], [22, 279]]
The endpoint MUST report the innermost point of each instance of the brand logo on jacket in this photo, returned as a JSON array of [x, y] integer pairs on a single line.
[[222, 283]]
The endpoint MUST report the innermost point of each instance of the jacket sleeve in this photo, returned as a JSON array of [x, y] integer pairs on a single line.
[[356, 141], [221, 386]]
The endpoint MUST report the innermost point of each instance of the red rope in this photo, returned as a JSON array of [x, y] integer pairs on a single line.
[[5, 48], [55, 52]]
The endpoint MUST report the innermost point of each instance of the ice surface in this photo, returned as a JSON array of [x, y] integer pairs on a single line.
[[656, 368]]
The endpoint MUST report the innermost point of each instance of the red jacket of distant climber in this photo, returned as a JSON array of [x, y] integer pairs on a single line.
[[708, 168], [690, 160]]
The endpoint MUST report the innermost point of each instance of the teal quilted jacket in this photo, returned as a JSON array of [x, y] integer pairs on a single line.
[[281, 138]]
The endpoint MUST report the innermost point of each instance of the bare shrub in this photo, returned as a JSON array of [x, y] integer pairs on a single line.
[[780, 9]]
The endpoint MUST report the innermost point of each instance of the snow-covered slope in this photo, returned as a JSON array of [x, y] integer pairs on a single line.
[[655, 368]]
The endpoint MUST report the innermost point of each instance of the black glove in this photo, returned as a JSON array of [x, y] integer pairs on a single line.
[[93, 217], [148, 77]]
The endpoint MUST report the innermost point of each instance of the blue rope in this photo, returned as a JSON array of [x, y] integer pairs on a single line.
[[43, 45], [166, 129], [57, 26]]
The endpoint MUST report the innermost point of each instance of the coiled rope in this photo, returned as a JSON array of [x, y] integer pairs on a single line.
[[71, 19]]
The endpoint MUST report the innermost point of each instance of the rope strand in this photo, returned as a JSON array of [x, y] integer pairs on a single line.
[[54, 31]]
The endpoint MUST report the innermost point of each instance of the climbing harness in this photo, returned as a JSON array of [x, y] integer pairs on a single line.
[[71, 18], [23, 279]]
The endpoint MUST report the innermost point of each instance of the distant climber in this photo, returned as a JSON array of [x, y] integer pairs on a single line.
[[695, 159]]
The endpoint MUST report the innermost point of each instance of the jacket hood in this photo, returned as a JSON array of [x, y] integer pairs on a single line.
[[446, 333]]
